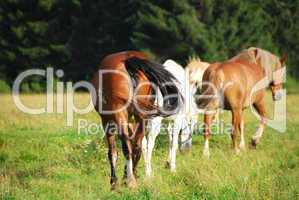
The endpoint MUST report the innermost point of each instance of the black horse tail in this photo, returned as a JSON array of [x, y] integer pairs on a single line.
[[163, 79]]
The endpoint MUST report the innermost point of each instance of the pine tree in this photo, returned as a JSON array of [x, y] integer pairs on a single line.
[[233, 25], [284, 20], [101, 28], [28, 36], [168, 29]]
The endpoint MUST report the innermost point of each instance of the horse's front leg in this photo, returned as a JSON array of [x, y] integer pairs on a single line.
[[237, 125], [260, 108], [149, 143], [173, 142]]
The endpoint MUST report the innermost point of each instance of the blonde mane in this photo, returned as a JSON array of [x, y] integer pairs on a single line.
[[269, 62], [196, 69], [195, 62]]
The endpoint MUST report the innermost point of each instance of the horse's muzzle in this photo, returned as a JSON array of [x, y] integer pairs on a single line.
[[277, 95]]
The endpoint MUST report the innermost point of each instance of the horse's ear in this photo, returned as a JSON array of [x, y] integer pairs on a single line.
[[255, 52], [283, 58]]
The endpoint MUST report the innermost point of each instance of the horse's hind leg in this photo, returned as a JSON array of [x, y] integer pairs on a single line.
[[173, 142], [186, 135], [137, 150], [154, 130], [237, 119], [112, 155], [260, 108], [241, 129], [208, 119], [122, 122]]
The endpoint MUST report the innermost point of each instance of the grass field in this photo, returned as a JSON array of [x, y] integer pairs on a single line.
[[42, 158]]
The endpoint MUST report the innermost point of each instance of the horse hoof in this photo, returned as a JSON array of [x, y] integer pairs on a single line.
[[186, 147], [185, 150], [237, 151], [136, 175], [148, 173], [206, 154], [113, 187], [254, 143], [131, 182], [167, 165], [148, 176], [242, 147]]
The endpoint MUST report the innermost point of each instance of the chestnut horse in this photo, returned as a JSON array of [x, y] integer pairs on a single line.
[[230, 85], [125, 85]]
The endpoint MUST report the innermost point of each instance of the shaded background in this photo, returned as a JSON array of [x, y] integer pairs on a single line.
[[74, 35]]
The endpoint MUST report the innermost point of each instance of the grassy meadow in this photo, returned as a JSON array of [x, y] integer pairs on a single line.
[[42, 158]]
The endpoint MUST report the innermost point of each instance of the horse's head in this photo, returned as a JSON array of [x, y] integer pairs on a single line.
[[274, 68], [195, 69], [276, 84]]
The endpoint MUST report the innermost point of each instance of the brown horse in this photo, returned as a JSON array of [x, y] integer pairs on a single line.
[[125, 85], [230, 85]]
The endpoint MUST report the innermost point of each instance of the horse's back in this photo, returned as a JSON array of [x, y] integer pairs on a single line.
[[236, 79], [117, 60]]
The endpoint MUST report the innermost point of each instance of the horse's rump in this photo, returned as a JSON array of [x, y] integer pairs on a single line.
[[212, 80], [162, 80], [129, 73]]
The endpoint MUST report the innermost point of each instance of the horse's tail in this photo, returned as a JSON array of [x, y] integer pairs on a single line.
[[163, 79], [212, 84]]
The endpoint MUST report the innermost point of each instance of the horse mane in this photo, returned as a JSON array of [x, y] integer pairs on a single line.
[[268, 61], [247, 55], [195, 62]]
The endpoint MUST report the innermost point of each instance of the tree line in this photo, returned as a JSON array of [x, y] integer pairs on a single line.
[[74, 35]]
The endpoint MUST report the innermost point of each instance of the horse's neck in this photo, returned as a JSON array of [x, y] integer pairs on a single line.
[[269, 63]]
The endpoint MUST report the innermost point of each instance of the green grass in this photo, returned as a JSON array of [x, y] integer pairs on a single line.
[[41, 158]]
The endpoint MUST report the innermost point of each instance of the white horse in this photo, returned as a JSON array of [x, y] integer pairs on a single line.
[[183, 121]]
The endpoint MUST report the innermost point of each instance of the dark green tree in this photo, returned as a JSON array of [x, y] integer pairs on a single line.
[[284, 20], [168, 29], [233, 25], [101, 28], [33, 34]]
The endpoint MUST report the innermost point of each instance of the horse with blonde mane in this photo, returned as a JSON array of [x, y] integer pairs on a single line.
[[196, 68], [231, 85]]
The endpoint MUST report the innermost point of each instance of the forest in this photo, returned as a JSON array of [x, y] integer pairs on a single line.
[[75, 35]]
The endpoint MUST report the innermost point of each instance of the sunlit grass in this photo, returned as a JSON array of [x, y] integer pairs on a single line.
[[42, 158]]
